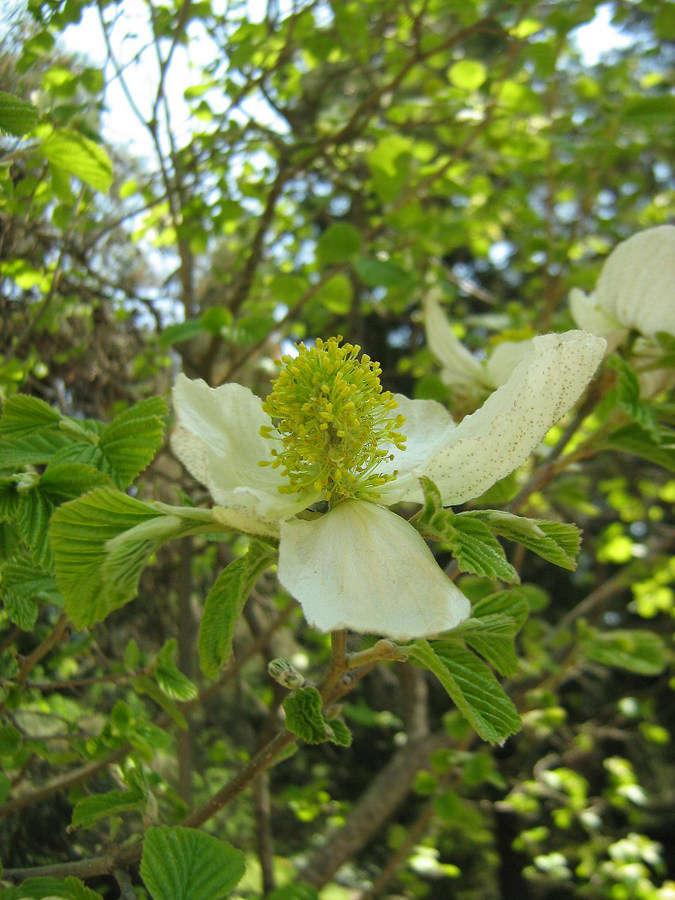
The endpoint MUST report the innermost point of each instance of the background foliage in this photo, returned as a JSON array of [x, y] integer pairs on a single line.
[[313, 172]]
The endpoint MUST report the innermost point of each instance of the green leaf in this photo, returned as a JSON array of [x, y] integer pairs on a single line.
[[335, 295], [472, 687], [23, 416], [171, 680], [186, 864], [23, 585], [297, 891], [305, 717], [471, 542], [493, 637], [34, 450], [340, 242], [641, 652], [33, 514], [224, 604], [381, 273], [556, 542], [628, 398], [66, 481], [90, 809], [467, 74], [133, 437], [9, 541], [70, 888], [635, 440], [17, 117], [144, 685], [93, 577], [80, 157], [511, 603], [180, 331]]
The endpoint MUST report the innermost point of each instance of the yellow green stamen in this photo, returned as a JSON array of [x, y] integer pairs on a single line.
[[334, 422]]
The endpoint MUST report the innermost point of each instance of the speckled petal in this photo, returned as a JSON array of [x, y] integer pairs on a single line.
[[500, 436], [364, 568]]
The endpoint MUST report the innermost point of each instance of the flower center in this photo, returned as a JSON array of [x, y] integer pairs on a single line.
[[334, 422]]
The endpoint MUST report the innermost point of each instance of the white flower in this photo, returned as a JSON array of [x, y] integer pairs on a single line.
[[635, 292], [460, 369], [327, 432]]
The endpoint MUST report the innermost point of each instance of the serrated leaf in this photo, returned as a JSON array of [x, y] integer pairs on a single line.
[[23, 585], [33, 514], [635, 440], [186, 864], [79, 156], [341, 735], [79, 534], [144, 685], [9, 541], [66, 481], [511, 603], [471, 541], [556, 542], [224, 604], [304, 715], [70, 888], [472, 687], [493, 637], [132, 439], [90, 809], [17, 117], [23, 416], [37, 449], [641, 652]]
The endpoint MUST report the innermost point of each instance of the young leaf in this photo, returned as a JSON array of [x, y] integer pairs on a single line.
[[144, 685], [23, 416], [641, 652], [23, 585], [493, 637], [171, 680], [304, 717], [80, 157], [224, 604], [90, 809], [471, 685], [133, 437], [556, 542], [17, 116], [511, 603], [80, 532], [471, 542], [70, 888], [186, 864]]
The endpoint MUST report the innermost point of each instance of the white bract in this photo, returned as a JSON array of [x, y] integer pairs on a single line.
[[460, 369], [635, 292], [327, 432]]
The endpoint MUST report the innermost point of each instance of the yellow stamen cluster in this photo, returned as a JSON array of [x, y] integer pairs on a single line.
[[335, 424]]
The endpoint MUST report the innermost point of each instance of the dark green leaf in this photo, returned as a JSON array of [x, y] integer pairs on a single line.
[[70, 888], [23, 585], [224, 604], [511, 603], [493, 637], [186, 864], [180, 331], [304, 715]]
